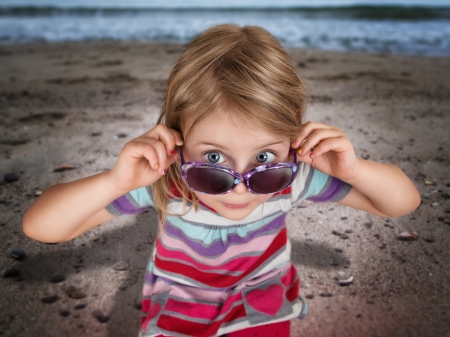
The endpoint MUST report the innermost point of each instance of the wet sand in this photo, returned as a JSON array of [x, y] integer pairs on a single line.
[[77, 104]]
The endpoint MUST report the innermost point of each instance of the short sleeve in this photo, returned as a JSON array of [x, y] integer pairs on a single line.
[[311, 184], [134, 202]]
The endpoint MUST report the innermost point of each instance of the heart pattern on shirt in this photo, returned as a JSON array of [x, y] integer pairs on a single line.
[[267, 301]]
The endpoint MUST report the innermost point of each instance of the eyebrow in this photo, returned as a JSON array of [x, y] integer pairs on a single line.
[[226, 148]]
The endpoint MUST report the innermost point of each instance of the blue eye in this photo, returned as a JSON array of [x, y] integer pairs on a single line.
[[214, 157], [265, 157]]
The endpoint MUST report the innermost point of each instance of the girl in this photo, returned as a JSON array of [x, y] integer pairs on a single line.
[[224, 164]]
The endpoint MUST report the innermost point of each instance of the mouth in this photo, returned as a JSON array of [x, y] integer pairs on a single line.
[[236, 206]]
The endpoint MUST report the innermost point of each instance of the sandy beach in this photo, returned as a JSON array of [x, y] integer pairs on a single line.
[[67, 109]]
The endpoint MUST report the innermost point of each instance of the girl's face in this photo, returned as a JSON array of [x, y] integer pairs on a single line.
[[220, 140]]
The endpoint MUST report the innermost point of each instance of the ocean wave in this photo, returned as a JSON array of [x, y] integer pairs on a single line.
[[366, 12]]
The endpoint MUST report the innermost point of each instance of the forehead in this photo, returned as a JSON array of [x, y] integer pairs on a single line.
[[228, 128]]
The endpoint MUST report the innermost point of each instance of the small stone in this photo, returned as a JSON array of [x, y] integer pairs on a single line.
[[99, 316], [77, 295], [430, 240], [50, 299], [18, 254], [11, 177], [336, 233], [64, 313], [120, 266], [64, 167], [347, 282], [309, 296], [121, 135], [368, 225], [57, 278], [339, 250], [326, 294], [301, 64], [435, 204], [37, 193], [447, 210], [96, 134], [344, 236], [344, 218], [138, 305], [348, 231], [445, 195], [70, 289], [80, 306], [334, 263], [358, 316], [427, 182], [12, 272], [408, 236]]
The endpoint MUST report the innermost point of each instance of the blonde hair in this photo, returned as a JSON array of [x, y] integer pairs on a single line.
[[241, 70]]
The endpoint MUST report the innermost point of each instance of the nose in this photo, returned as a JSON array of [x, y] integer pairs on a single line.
[[240, 188]]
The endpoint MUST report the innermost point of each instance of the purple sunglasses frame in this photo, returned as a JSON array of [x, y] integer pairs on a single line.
[[238, 178]]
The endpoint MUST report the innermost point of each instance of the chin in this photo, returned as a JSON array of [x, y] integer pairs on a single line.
[[235, 215]]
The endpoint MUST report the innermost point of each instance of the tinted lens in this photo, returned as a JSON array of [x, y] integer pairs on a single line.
[[270, 181], [209, 180]]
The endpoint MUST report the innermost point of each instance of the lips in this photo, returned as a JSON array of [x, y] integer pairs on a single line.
[[236, 206]]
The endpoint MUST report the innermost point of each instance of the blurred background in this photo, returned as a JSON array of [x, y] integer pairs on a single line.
[[416, 27]]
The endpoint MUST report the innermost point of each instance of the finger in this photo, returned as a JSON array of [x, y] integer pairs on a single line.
[[315, 138], [146, 150], [161, 151], [336, 144], [169, 137], [308, 128], [178, 137]]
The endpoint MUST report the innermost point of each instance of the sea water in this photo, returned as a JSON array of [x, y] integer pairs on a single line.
[[397, 26]]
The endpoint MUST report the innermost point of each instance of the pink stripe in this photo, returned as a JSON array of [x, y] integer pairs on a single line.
[[238, 264], [259, 244]]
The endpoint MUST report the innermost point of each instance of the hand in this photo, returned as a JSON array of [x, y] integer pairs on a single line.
[[328, 150], [145, 159]]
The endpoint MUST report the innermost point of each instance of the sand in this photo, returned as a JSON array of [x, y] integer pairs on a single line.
[[77, 104]]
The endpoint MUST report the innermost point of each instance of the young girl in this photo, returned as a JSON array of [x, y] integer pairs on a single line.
[[224, 164]]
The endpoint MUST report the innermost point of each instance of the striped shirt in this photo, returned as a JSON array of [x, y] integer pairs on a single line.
[[209, 275]]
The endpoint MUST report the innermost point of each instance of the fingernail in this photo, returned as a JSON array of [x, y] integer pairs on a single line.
[[299, 151], [311, 155], [171, 152], [156, 166], [180, 142]]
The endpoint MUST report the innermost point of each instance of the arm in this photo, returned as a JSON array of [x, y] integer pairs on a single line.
[[65, 211], [379, 189]]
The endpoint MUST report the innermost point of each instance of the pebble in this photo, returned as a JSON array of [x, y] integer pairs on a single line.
[[447, 210], [336, 233], [334, 263], [18, 254], [121, 135], [100, 316], [368, 225], [344, 236], [80, 306], [12, 272], [339, 250], [37, 193], [427, 182], [50, 299], [77, 295], [408, 236], [57, 278], [11, 177], [309, 296], [344, 218], [348, 231], [138, 305], [347, 282], [430, 240], [120, 266], [64, 313], [64, 167], [326, 294]]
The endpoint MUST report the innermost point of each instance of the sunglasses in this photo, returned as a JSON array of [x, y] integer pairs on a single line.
[[216, 179]]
